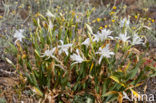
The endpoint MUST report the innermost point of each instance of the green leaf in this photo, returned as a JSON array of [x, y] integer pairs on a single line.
[[13, 48], [34, 80], [34, 21], [37, 53], [133, 72], [104, 88], [3, 100]]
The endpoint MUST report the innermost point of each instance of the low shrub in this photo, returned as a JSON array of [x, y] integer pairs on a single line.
[[67, 58]]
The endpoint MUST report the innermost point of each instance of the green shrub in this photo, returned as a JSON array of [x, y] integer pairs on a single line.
[[65, 58], [78, 54]]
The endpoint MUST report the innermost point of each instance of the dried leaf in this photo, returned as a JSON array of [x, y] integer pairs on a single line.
[[120, 97], [135, 93], [37, 91], [91, 67], [89, 28], [116, 80], [110, 93]]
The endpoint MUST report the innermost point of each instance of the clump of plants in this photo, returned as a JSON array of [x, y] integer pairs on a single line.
[[65, 59]]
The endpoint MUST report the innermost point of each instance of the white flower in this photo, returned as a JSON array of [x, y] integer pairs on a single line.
[[124, 22], [64, 47], [49, 53], [76, 57], [19, 35], [123, 37], [136, 40], [104, 52], [105, 34], [49, 14], [86, 42], [97, 37]]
